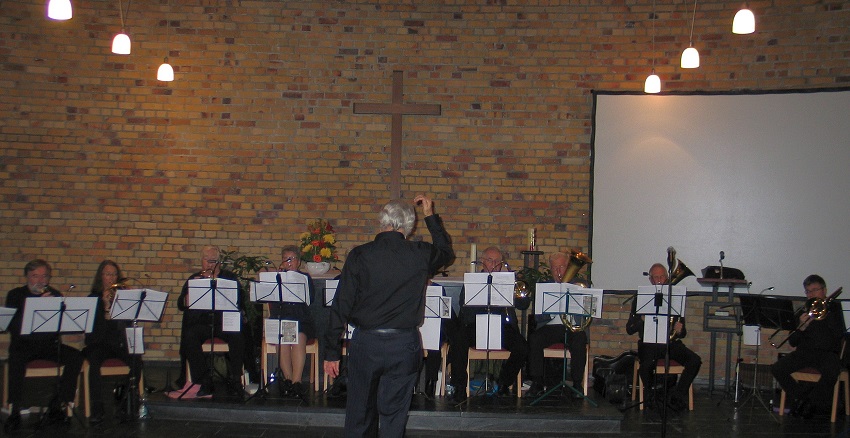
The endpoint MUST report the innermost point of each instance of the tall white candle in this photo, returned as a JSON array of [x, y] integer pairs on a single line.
[[473, 257]]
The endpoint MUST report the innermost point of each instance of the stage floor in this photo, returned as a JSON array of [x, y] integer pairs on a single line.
[[320, 416]]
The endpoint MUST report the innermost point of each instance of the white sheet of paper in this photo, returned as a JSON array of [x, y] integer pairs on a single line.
[[201, 294], [752, 335], [6, 315], [127, 302], [330, 291], [498, 292], [646, 300], [294, 287], [231, 322], [488, 332], [845, 310], [585, 301], [430, 332], [438, 307], [288, 331], [551, 298], [135, 340], [434, 291], [655, 329], [41, 315]]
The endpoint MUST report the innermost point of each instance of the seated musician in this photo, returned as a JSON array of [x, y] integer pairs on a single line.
[[291, 357], [550, 330], [108, 337], [198, 326], [817, 345], [48, 346], [649, 353], [512, 339]]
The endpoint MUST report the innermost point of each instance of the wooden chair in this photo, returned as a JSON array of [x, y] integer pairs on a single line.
[[35, 369], [312, 354], [812, 375], [444, 350], [476, 354], [556, 351], [210, 346], [109, 367], [675, 369]]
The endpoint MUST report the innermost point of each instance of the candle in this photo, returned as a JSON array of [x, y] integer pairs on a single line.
[[531, 239], [473, 257]]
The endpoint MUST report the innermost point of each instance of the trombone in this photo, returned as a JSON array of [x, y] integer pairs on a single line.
[[815, 308]]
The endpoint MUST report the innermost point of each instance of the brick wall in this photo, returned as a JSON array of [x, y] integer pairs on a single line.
[[256, 135]]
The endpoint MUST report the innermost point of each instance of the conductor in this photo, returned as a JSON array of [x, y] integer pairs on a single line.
[[382, 294]]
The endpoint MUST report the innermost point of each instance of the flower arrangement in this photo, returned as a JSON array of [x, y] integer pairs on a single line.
[[319, 243]]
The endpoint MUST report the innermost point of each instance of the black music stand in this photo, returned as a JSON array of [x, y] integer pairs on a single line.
[[58, 315], [765, 312], [279, 287], [583, 303], [488, 290], [336, 389], [136, 305], [213, 295]]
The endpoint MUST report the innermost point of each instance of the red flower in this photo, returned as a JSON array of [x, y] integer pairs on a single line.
[[317, 258]]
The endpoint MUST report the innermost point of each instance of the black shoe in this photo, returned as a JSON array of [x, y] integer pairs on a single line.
[[205, 391], [13, 421], [284, 387], [459, 396], [677, 403], [430, 388], [536, 390], [503, 391], [298, 390], [577, 393]]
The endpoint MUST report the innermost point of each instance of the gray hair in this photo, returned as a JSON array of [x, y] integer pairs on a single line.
[[399, 216]]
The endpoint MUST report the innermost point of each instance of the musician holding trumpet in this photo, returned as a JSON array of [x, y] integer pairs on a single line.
[[817, 340]]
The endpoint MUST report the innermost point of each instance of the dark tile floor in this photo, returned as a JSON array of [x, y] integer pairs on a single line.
[[714, 416]]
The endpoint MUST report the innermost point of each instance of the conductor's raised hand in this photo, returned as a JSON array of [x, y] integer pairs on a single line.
[[426, 203]]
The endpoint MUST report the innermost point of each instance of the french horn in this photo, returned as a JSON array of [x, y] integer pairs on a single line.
[[575, 323]]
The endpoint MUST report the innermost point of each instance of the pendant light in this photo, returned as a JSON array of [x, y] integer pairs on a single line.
[[59, 9], [653, 82], [165, 73], [744, 22], [690, 57], [121, 42]]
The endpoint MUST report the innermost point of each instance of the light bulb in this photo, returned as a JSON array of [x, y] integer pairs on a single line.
[[165, 72], [121, 44], [744, 22], [690, 58], [59, 9], [653, 84]]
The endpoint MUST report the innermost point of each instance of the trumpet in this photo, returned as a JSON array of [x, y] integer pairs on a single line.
[[815, 308], [674, 335]]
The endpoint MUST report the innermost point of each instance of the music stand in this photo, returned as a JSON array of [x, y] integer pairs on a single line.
[[136, 305], [764, 312], [279, 287], [215, 295], [658, 309], [568, 299], [6, 315], [488, 290], [57, 315]]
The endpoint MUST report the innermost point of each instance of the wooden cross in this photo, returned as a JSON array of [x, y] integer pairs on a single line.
[[397, 108]]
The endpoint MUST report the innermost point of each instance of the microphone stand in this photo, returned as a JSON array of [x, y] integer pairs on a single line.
[[670, 267]]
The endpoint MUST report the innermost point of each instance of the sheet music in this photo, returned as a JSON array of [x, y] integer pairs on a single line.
[[201, 296], [845, 311], [752, 335], [438, 307], [231, 321], [287, 329], [499, 292], [6, 315], [128, 301], [42, 315], [294, 287], [551, 298], [646, 300], [585, 301], [488, 332], [655, 329], [430, 332], [330, 291], [135, 340]]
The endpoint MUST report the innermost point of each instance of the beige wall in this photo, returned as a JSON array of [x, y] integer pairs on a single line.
[[256, 135]]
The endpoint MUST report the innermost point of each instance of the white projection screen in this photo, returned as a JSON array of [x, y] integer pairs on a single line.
[[765, 178]]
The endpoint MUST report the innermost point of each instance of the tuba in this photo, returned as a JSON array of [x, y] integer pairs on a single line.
[[680, 273], [576, 323]]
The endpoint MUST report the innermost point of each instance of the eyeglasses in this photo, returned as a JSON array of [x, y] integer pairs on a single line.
[[813, 290]]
